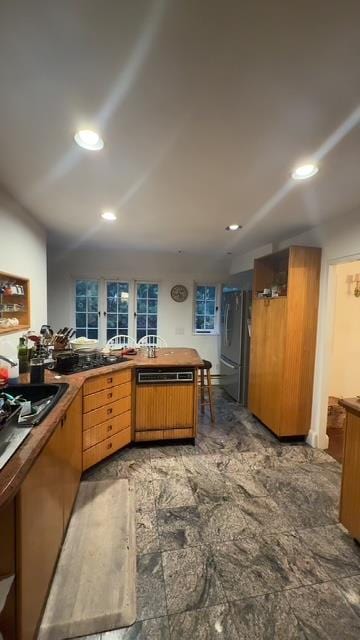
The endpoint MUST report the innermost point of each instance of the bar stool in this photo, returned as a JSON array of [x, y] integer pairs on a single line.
[[206, 367]]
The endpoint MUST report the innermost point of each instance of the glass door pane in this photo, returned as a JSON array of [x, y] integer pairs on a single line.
[[146, 309], [117, 308], [87, 308]]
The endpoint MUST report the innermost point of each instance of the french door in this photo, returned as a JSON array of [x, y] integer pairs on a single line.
[[116, 309], [146, 315], [106, 308]]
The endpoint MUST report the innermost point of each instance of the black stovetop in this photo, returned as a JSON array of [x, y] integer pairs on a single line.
[[93, 360]]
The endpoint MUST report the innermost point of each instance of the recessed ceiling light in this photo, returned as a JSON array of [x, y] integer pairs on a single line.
[[88, 139], [305, 171], [108, 215], [233, 227]]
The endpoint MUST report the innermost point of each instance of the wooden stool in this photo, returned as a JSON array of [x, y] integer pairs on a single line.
[[206, 366]]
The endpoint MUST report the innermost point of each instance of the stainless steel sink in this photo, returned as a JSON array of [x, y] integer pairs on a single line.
[[43, 397]]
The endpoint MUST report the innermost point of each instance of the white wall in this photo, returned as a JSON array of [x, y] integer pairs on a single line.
[[245, 261], [175, 319], [340, 242], [23, 253], [344, 372]]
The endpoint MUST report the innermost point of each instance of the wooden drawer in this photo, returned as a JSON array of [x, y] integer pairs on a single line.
[[106, 448], [109, 411], [95, 400], [106, 429], [93, 385]]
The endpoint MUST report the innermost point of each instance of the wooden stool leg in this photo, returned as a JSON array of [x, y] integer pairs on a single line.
[[210, 395], [202, 391]]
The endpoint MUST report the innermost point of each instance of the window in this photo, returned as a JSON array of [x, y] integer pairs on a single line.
[[206, 309], [117, 309], [146, 309], [87, 308]]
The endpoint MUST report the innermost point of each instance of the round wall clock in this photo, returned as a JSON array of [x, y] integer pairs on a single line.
[[179, 293]]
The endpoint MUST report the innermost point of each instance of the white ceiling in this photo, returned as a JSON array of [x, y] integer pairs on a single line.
[[204, 106]]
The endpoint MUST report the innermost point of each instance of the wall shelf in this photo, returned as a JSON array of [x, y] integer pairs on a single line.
[[22, 315]]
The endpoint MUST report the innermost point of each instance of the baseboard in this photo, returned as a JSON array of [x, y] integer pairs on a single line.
[[317, 441]]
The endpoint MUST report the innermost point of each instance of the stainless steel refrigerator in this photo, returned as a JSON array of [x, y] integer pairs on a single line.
[[235, 344]]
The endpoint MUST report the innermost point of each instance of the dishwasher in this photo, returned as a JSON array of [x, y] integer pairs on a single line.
[[166, 403]]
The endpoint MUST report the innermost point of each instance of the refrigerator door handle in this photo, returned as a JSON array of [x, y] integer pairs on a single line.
[[226, 324], [231, 366]]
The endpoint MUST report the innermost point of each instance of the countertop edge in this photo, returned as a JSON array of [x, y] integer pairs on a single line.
[[353, 404]]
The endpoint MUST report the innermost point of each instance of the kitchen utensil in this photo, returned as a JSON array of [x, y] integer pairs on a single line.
[[37, 370], [65, 361], [84, 344]]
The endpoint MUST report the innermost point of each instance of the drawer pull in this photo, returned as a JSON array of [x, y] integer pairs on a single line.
[[109, 446], [109, 427], [110, 395], [109, 380], [109, 411]]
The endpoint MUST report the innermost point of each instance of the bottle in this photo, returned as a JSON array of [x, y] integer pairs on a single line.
[[23, 355]]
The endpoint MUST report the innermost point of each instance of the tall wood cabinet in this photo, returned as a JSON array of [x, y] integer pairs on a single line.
[[283, 339]]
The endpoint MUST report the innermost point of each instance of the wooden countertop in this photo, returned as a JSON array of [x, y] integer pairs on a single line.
[[353, 404], [12, 475]]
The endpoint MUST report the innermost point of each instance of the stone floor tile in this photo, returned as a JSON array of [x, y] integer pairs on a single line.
[[150, 588], [171, 493], [350, 587], [335, 550], [172, 468], [324, 613], [147, 539], [144, 495], [191, 581], [248, 567], [212, 623], [265, 618], [179, 527], [222, 521]]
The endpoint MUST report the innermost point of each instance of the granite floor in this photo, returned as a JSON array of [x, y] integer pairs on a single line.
[[238, 538]]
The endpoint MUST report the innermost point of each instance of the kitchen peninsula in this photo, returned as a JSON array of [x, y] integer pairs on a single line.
[[101, 411]]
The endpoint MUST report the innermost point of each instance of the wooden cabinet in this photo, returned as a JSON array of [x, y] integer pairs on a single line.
[[165, 411], [283, 340], [350, 486], [40, 514], [106, 381], [268, 360], [44, 505], [106, 416], [72, 454], [7, 570]]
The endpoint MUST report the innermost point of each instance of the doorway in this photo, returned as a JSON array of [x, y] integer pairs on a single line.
[[344, 350]]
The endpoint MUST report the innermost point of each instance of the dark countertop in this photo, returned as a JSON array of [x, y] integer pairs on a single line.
[[353, 404], [15, 470]]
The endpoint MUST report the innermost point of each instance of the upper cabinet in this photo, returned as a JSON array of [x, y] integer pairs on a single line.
[[284, 322], [14, 303]]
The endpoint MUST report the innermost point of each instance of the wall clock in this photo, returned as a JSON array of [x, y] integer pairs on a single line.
[[179, 293]]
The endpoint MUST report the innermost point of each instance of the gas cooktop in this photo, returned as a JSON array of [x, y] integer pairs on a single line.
[[93, 360]]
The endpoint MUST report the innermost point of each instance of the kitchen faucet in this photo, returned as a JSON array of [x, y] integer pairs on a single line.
[[8, 360]]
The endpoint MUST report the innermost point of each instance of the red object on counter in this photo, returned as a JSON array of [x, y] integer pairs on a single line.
[[129, 352], [4, 376]]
